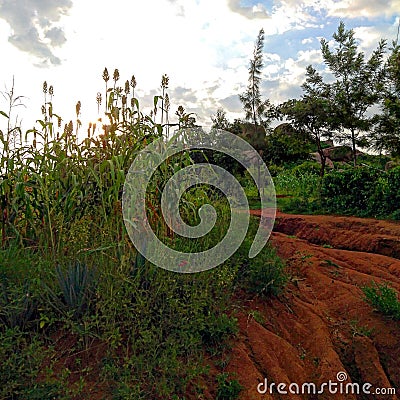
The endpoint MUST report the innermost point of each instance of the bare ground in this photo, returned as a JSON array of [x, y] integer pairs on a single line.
[[321, 325]]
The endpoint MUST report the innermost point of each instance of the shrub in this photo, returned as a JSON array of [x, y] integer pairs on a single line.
[[383, 298], [20, 362], [17, 305], [350, 191], [227, 389], [309, 167], [266, 273], [218, 329], [392, 198]]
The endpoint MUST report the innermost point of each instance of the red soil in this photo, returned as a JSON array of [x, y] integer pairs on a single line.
[[321, 325]]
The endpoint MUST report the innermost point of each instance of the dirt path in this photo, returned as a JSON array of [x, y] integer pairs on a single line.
[[322, 325]]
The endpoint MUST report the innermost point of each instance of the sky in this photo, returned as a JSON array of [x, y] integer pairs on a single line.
[[204, 46]]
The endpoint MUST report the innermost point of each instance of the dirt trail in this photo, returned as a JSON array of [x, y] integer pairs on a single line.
[[322, 325]]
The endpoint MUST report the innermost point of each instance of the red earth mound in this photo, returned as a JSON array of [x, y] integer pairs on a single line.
[[322, 326]]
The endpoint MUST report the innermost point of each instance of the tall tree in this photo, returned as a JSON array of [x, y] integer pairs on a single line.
[[387, 129], [253, 105], [311, 114], [357, 85]]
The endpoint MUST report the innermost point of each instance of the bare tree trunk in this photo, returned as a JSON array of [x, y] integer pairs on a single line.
[[322, 156], [353, 140]]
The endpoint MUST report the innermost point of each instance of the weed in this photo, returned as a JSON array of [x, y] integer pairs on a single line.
[[330, 263], [227, 389], [258, 317], [217, 330], [383, 298], [358, 330]]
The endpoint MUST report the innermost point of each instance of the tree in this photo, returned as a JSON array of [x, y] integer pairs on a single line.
[[311, 114], [387, 129], [255, 108], [219, 120], [357, 86], [286, 145]]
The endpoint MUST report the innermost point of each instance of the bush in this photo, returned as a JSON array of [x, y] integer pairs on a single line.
[[227, 389], [218, 329], [266, 273], [307, 167], [362, 191], [383, 298], [275, 170], [21, 360], [350, 191], [392, 198]]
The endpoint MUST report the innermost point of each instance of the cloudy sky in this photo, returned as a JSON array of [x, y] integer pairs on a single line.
[[203, 45]]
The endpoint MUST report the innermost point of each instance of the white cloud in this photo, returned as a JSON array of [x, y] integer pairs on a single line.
[[363, 8], [32, 23], [257, 11], [307, 40]]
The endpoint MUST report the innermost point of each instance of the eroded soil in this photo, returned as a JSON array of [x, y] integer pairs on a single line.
[[321, 325]]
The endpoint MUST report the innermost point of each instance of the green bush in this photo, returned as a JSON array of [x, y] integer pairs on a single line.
[[227, 389], [76, 285], [383, 298], [21, 357], [275, 170], [218, 329], [307, 167], [392, 195], [266, 273], [362, 191], [17, 304], [350, 191]]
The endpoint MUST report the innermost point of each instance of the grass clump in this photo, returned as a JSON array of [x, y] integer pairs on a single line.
[[264, 274]]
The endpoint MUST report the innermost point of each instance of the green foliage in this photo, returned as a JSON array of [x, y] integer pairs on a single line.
[[307, 167], [69, 271], [357, 85], [218, 329], [301, 184], [392, 192], [76, 284], [312, 114], [349, 190], [265, 274], [298, 189], [20, 363], [363, 191], [286, 144], [386, 135], [227, 389], [17, 304], [383, 298], [253, 106], [375, 161]]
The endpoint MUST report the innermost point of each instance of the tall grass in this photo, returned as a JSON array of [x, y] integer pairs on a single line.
[[297, 191]]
